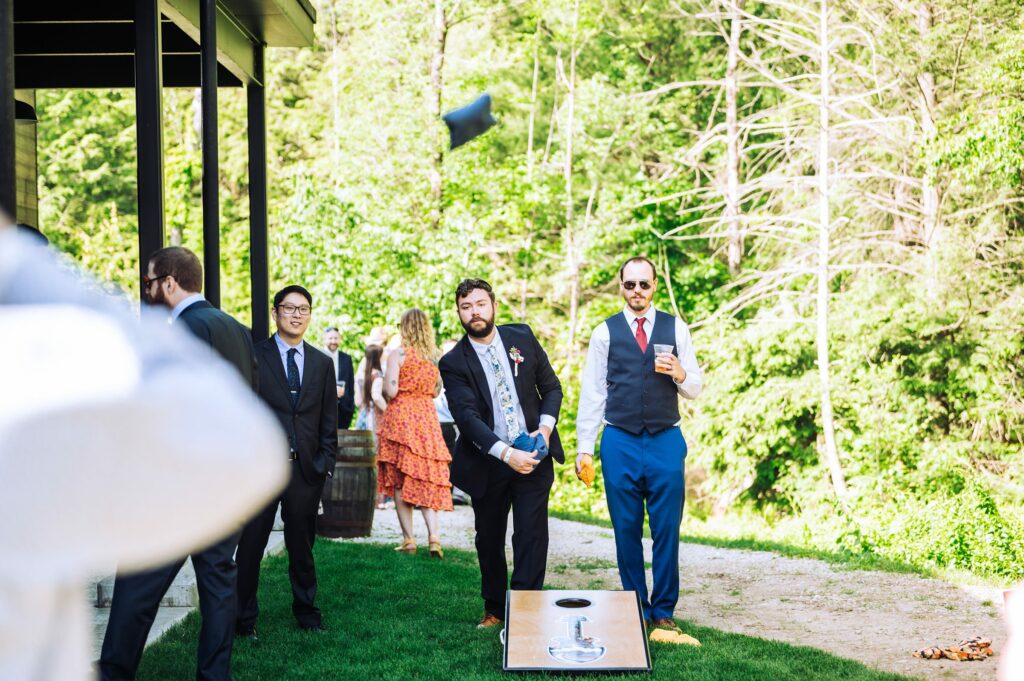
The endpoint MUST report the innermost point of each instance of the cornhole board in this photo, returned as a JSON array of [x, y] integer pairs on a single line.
[[575, 631]]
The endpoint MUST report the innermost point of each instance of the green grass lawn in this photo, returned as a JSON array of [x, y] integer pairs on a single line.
[[393, 616]]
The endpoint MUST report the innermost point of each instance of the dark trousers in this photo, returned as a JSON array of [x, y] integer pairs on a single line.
[[137, 599], [299, 503], [638, 469], [344, 416], [527, 497]]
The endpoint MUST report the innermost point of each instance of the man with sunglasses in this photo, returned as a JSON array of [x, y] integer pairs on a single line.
[[297, 382], [639, 362], [174, 279]]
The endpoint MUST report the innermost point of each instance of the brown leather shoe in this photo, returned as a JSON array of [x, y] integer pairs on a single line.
[[489, 621], [667, 624]]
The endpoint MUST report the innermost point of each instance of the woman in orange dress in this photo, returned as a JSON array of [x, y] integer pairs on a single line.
[[412, 458]]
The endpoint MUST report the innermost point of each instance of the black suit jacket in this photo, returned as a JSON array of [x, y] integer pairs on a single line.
[[313, 424], [347, 402], [465, 385], [225, 335]]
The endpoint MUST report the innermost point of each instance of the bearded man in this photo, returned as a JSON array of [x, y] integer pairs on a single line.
[[505, 398]]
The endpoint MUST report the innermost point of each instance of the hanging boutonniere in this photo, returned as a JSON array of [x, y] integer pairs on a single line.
[[517, 359]]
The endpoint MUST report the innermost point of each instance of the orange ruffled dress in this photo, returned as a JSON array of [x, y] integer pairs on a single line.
[[411, 454]]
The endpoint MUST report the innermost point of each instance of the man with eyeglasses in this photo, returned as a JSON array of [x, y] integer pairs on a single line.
[[343, 372], [174, 279], [639, 362], [297, 382]]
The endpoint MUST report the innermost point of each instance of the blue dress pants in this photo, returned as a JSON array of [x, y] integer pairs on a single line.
[[638, 469]]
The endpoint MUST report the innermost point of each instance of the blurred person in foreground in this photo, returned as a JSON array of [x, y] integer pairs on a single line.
[[174, 281], [161, 449]]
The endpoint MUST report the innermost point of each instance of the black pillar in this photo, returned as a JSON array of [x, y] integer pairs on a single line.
[[8, 180], [149, 129], [258, 254], [211, 171]]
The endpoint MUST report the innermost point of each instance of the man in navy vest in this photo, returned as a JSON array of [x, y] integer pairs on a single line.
[[639, 362]]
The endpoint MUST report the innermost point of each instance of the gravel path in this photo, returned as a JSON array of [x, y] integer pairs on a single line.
[[877, 618]]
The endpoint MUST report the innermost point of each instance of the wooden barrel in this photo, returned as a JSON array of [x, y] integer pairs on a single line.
[[350, 497]]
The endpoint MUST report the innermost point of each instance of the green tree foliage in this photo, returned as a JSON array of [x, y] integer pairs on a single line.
[[629, 153]]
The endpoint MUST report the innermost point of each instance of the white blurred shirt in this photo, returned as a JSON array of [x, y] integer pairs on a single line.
[[133, 445]]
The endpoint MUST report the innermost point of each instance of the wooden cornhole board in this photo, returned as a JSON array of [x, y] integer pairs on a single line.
[[577, 631]]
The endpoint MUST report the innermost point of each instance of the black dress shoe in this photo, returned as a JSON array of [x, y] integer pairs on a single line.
[[313, 627], [247, 633]]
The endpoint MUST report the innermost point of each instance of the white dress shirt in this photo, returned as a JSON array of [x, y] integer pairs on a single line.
[[500, 428], [300, 356], [594, 388], [181, 306]]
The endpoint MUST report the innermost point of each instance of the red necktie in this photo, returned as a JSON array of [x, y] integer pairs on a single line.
[[641, 335]]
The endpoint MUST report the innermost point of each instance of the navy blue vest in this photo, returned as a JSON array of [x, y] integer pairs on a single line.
[[639, 398]]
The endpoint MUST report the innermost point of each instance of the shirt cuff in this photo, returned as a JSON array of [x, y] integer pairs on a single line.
[[585, 446], [689, 388], [548, 420], [496, 449]]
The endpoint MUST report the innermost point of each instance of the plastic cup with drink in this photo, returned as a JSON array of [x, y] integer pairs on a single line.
[[661, 349]]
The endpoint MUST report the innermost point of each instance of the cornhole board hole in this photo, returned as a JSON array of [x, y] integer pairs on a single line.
[[575, 631]]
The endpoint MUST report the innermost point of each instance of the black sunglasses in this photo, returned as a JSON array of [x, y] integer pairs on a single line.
[[146, 281], [630, 285]]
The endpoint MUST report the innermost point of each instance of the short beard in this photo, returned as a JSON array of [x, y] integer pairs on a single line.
[[488, 327], [636, 307], [159, 300]]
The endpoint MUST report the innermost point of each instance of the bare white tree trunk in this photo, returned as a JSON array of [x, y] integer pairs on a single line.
[[824, 228], [528, 241], [734, 249], [439, 37], [926, 81], [570, 235]]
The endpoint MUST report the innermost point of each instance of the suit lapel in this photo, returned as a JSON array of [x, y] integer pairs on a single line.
[[476, 371], [508, 340], [273, 360], [308, 372]]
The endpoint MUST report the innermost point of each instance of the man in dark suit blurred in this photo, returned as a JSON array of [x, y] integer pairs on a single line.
[[500, 388], [174, 280], [297, 382], [344, 374]]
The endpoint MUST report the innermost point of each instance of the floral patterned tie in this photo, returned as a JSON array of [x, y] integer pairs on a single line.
[[508, 405]]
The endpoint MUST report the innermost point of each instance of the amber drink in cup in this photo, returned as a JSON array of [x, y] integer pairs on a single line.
[[661, 349]]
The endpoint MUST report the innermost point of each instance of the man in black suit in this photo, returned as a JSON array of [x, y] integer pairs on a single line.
[[345, 376], [174, 280], [297, 382], [500, 385]]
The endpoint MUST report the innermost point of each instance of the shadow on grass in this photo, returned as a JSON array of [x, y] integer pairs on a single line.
[[842, 559], [391, 616]]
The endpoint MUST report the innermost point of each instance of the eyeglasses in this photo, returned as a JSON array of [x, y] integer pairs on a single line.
[[300, 310], [146, 281], [630, 285]]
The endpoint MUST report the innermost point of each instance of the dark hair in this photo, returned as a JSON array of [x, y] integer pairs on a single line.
[[32, 232], [294, 288], [373, 355], [332, 328], [467, 286], [180, 263], [639, 258]]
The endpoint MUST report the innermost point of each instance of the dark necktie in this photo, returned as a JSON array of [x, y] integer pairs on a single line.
[[641, 335], [293, 377]]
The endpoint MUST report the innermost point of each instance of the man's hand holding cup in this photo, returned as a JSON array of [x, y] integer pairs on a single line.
[[665, 362]]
